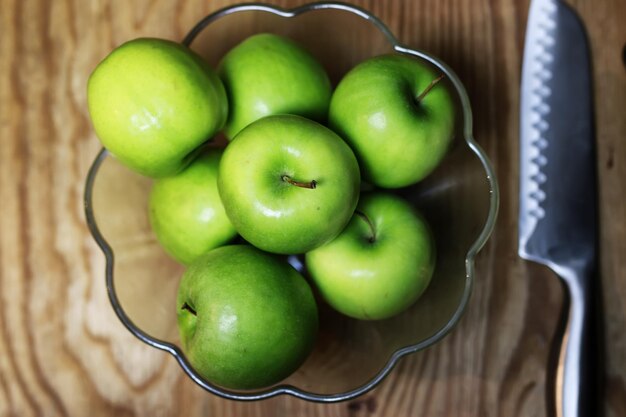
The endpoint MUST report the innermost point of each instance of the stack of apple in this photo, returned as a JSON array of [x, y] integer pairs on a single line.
[[288, 182]]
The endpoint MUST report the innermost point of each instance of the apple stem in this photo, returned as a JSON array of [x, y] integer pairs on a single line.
[[430, 87], [310, 185], [367, 220], [189, 309]]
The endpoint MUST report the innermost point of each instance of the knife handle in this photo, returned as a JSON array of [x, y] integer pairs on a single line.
[[573, 372]]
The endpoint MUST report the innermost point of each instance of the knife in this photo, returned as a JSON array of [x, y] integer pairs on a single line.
[[558, 183]]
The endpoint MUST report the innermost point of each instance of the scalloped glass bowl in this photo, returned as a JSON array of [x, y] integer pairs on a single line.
[[459, 199]]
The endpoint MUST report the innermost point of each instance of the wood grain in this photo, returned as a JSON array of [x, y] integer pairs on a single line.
[[64, 353]]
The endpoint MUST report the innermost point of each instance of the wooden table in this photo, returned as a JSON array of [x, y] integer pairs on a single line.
[[62, 351]]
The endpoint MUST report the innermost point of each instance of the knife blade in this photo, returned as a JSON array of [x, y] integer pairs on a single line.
[[558, 223]]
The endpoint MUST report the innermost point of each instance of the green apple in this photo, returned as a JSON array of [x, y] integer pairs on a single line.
[[269, 74], [246, 318], [288, 184], [186, 212], [398, 117], [153, 102], [380, 264]]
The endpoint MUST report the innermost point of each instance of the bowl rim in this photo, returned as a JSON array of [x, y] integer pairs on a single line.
[[478, 244]]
